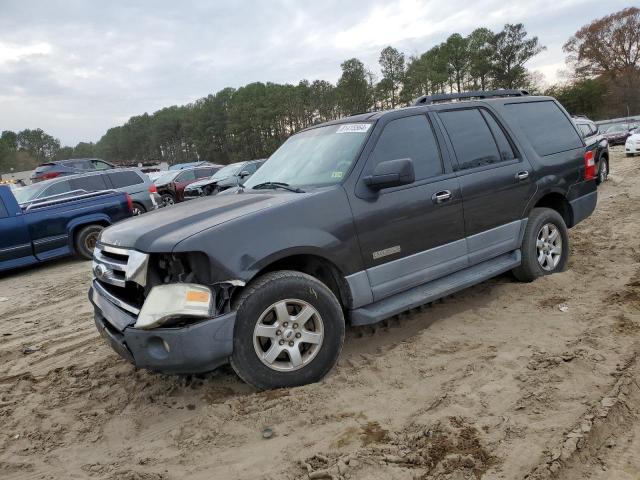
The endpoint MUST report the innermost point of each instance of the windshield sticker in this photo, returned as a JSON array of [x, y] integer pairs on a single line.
[[353, 128], [336, 174]]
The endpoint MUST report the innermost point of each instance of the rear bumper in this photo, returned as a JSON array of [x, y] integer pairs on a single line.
[[196, 348], [583, 206]]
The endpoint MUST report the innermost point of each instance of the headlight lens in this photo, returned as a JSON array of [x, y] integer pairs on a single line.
[[165, 302]]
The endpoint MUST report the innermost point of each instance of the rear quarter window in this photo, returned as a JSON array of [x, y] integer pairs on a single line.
[[124, 179], [548, 129]]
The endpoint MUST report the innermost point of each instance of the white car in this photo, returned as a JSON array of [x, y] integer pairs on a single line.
[[632, 145]]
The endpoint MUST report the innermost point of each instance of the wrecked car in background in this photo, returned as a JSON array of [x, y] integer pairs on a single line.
[[233, 175]]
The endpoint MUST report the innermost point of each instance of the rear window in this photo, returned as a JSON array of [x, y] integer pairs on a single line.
[[546, 126], [124, 179], [91, 183]]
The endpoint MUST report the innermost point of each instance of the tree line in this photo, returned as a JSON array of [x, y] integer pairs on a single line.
[[253, 120]]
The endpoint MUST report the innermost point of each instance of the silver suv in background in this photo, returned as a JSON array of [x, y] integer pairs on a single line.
[[129, 180]]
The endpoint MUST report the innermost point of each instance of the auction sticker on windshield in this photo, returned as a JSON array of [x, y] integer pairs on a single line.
[[353, 128]]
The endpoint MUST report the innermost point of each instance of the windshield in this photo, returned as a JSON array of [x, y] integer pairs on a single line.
[[227, 171], [26, 194], [318, 157], [167, 177]]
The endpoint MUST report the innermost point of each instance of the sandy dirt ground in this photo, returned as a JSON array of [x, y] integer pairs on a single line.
[[504, 380]]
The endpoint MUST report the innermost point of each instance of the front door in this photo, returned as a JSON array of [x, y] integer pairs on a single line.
[[496, 182], [414, 233], [15, 244]]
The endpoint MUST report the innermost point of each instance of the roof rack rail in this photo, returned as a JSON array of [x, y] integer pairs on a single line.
[[446, 97]]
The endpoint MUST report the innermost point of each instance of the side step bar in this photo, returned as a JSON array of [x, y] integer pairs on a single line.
[[428, 292]]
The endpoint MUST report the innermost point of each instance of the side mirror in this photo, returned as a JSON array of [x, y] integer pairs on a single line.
[[391, 173], [244, 174]]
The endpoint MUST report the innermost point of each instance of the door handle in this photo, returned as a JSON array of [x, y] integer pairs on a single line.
[[441, 197], [522, 175]]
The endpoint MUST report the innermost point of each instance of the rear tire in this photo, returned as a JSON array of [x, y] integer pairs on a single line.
[[138, 209], [545, 247], [86, 239], [603, 171], [289, 331]]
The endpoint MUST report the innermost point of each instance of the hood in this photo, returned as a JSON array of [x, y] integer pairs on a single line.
[[161, 230]]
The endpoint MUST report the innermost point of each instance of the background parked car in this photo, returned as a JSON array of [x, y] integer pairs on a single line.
[[74, 166], [232, 175], [632, 145], [55, 227], [129, 180], [182, 166], [171, 185], [597, 143], [617, 134]]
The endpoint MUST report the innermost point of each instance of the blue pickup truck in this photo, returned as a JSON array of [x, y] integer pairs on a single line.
[[57, 226]]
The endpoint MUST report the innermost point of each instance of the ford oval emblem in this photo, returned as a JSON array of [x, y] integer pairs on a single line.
[[100, 271]]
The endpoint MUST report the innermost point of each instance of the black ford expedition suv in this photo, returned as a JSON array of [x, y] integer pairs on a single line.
[[351, 221]]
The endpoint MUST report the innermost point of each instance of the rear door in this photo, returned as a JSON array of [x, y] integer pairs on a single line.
[[407, 236], [495, 180], [15, 243]]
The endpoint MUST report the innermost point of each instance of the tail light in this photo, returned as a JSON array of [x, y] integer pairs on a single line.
[[129, 203], [589, 166], [153, 188], [48, 175]]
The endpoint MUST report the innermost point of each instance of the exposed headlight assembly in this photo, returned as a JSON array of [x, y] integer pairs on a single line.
[[165, 302]]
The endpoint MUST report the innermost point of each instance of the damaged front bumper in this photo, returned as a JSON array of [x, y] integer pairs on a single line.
[[194, 348]]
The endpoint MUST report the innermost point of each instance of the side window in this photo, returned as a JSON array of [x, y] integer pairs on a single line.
[[98, 165], [584, 130], [251, 168], [472, 140], [186, 176], [3, 210], [203, 172], [56, 189], [90, 183], [545, 126], [506, 151], [409, 137], [124, 179], [79, 164]]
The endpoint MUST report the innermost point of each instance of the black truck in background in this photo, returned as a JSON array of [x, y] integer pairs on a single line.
[[350, 221]]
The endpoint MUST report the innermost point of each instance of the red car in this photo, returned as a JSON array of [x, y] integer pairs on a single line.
[[617, 134], [171, 185]]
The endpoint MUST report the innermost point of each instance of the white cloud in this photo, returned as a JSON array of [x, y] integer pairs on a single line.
[[14, 52], [86, 66]]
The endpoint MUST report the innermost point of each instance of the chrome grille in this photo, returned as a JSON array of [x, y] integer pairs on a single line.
[[114, 266]]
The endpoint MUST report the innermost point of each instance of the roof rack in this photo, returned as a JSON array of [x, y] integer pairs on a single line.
[[446, 97]]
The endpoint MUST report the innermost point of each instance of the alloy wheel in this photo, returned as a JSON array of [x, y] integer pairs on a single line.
[[549, 247], [288, 335]]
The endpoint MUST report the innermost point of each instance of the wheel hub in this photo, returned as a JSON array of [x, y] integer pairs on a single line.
[[288, 335]]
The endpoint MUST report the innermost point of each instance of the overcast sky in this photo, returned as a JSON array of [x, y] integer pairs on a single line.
[[76, 68]]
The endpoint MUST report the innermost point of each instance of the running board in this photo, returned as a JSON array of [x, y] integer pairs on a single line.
[[434, 290]]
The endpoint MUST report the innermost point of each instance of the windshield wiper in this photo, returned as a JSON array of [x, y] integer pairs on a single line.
[[274, 185]]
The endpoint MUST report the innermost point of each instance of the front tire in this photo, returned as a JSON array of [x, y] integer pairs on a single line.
[[545, 247], [289, 331], [86, 239], [168, 199]]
